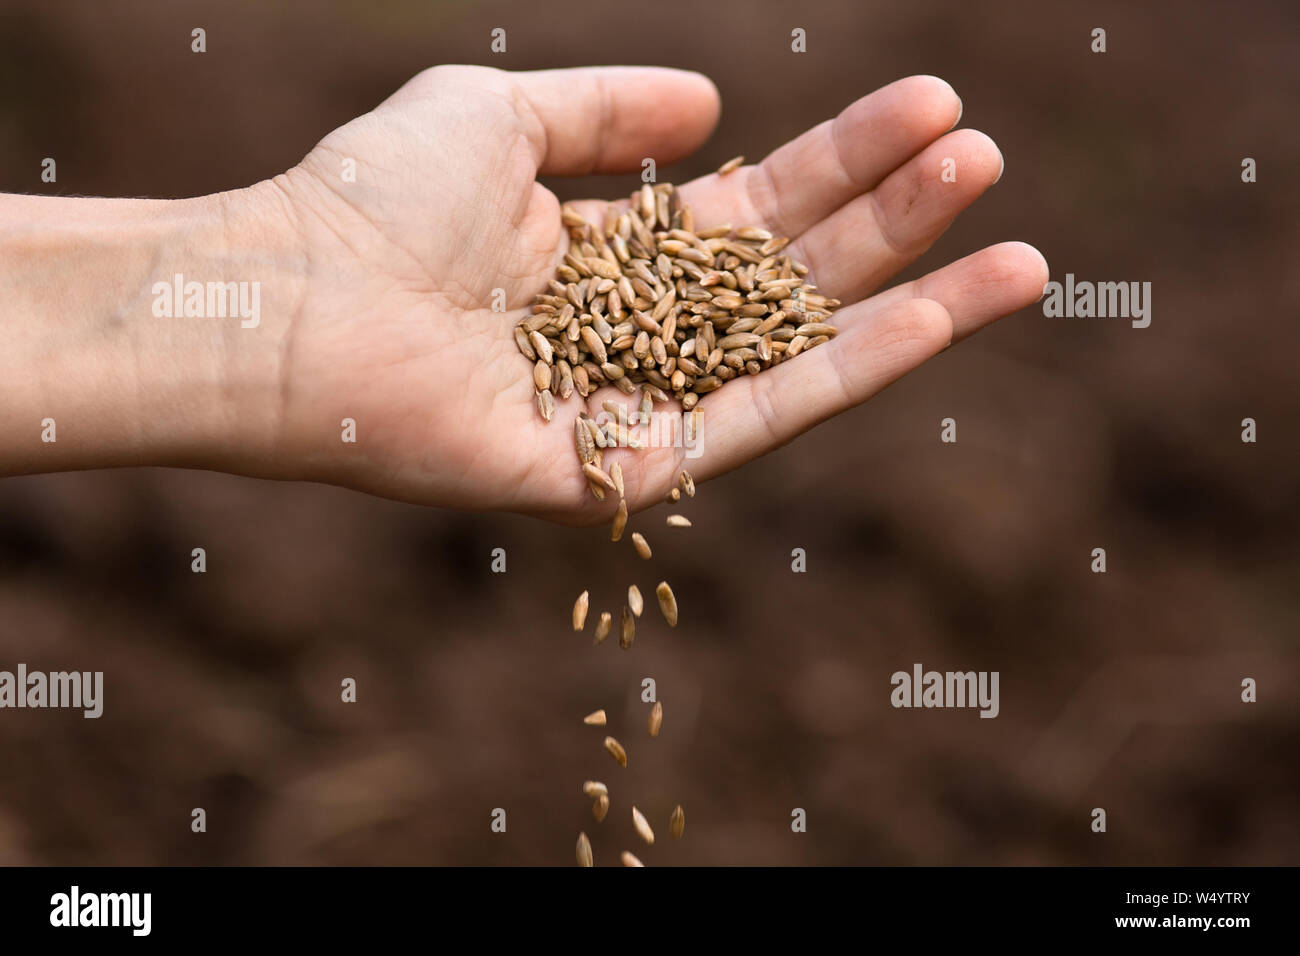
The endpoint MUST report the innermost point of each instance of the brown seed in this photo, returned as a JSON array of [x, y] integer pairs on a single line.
[[600, 807], [595, 719], [616, 473], [542, 376], [582, 442], [679, 521], [629, 860], [545, 405], [584, 851], [580, 612], [667, 603], [687, 483], [620, 520], [628, 633], [674, 494], [594, 788], [677, 822], [730, 165], [639, 542], [596, 475], [656, 718], [642, 827], [616, 751], [634, 601], [603, 626]]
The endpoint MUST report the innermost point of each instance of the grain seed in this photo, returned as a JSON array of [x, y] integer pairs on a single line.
[[595, 719], [603, 625], [580, 612], [616, 473], [634, 600], [594, 788], [600, 807], [593, 472], [629, 860], [687, 484], [667, 603], [616, 751], [679, 521], [730, 165], [628, 633], [656, 718], [620, 520], [584, 851], [677, 822], [639, 542], [642, 827]]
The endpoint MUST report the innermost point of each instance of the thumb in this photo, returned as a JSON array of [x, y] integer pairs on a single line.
[[607, 119]]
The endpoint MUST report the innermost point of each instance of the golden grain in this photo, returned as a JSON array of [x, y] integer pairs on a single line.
[[656, 718], [616, 751], [642, 827]]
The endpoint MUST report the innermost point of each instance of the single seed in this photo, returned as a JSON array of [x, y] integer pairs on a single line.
[[593, 472], [667, 603], [679, 521], [656, 718], [603, 625], [580, 612], [545, 405], [594, 788], [595, 719], [639, 542], [629, 860], [628, 633], [687, 483], [642, 827], [730, 165], [677, 822], [584, 851], [674, 495], [600, 807], [616, 751], [634, 600], [620, 520], [616, 473]]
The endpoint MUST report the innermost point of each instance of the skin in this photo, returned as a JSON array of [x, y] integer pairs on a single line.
[[377, 293]]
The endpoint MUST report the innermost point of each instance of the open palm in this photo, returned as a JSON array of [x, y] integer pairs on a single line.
[[397, 330]]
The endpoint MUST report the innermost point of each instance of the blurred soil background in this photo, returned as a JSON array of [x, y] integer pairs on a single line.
[[1119, 691]]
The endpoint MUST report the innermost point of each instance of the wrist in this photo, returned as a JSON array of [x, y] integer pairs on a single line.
[[102, 346]]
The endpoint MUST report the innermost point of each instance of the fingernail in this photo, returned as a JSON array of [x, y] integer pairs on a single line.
[[1003, 165]]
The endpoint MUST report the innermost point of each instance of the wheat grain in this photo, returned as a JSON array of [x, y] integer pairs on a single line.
[[600, 807], [628, 633], [603, 626], [679, 521], [595, 719], [620, 520], [580, 612], [594, 788], [634, 601], [630, 860], [584, 851], [656, 718], [642, 827], [730, 165], [687, 484], [616, 751], [667, 603], [642, 548], [677, 822]]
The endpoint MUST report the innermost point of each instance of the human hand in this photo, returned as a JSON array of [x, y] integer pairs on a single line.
[[397, 330]]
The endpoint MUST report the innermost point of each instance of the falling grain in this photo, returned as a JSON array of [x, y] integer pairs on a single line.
[[687, 484], [679, 521], [642, 827], [620, 520], [616, 751], [667, 603], [584, 851], [634, 601], [629, 860], [730, 165], [580, 612], [656, 718], [594, 788], [600, 807], [677, 822], [603, 626], [628, 633], [642, 548], [595, 719]]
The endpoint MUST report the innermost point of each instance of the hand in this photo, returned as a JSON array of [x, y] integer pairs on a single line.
[[397, 330]]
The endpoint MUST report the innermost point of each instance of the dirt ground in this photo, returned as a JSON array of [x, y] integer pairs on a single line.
[[1119, 691]]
